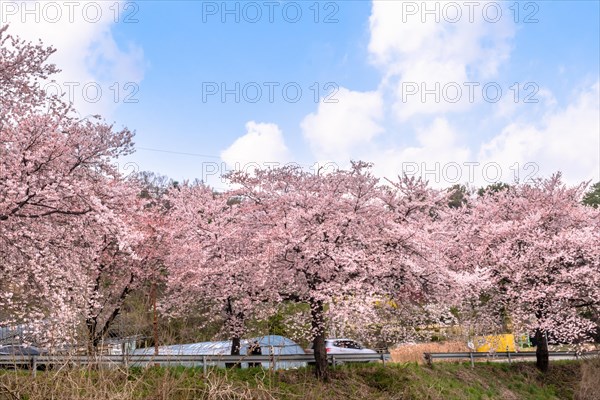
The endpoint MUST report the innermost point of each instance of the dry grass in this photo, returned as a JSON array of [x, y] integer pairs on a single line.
[[589, 387], [414, 352], [119, 384], [566, 380]]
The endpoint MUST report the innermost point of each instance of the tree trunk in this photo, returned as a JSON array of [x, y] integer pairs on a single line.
[[541, 351], [97, 331], [236, 344], [92, 342], [317, 323], [234, 320]]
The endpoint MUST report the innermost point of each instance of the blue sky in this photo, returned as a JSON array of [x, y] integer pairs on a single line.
[[373, 54]]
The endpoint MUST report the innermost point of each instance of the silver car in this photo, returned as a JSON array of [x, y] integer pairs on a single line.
[[342, 346], [346, 346]]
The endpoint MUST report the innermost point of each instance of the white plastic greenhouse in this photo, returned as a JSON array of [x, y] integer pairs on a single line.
[[270, 344]]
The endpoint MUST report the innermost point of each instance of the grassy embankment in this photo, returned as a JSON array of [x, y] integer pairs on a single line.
[[566, 380]]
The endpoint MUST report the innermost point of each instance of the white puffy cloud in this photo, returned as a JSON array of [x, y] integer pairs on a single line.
[[402, 39], [337, 130], [261, 146], [566, 139], [438, 156], [87, 52], [415, 48]]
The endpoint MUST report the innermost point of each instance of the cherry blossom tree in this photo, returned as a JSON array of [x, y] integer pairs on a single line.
[[342, 235], [413, 242], [538, 248], [123, 255], [54, 169], [216, 258], [23, 67], [315, 223]]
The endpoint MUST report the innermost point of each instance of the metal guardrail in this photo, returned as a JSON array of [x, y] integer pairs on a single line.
[[510, 356], [134, 360]]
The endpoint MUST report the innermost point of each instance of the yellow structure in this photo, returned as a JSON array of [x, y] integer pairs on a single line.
[[495, 343]]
